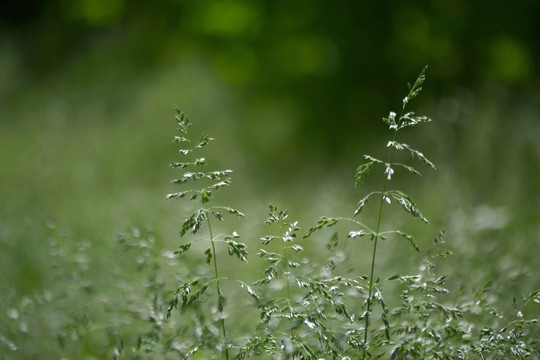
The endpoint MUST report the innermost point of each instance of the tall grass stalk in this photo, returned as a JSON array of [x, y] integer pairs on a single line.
[[395, 124], [288, 285], [219, 293], [190, 291], [413, 91]]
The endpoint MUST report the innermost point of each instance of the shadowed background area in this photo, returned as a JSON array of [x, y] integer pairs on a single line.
[[293, 92]]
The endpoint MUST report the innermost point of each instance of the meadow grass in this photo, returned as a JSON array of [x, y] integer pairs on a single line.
[[324, 291], [313, 310]]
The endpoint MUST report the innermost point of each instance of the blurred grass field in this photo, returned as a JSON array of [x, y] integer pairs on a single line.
[[85, 144]]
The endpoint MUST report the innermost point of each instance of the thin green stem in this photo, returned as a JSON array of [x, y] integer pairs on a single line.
[[376, 238], [288, 288], [218, 288], [357, 222]]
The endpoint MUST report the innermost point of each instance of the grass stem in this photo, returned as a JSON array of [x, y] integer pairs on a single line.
[[218, 288], [377, 235], [288, 289]]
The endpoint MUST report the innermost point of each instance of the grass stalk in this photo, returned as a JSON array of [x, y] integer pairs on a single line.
[[376, 238], [288, 287], [218, 289]]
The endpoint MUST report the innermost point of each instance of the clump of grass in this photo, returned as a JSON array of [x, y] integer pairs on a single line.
[[190, 291], [427, 327], [146, 301], [310, 307], [313, 310], [299, 302]]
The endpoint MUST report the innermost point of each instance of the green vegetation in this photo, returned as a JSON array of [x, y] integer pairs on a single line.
[[379, 291], [192, 289], [291, 91]]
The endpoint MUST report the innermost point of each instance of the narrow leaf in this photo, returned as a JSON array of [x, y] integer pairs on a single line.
[[204, 141], [408, 168], [234, 212], [362, 203], [217, 215], [266, 239], [177, 195], [221, 184], [410, 239], [238, 249], [250, 291], [323, 222], [386, 326], [371, 158], [188, 176], [217, 175], [408, 205], [193, 222], [179, 164], [208, 253], [362, 172], [183, 248]]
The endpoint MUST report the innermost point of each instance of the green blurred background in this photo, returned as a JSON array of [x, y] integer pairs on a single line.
[[293, 92]]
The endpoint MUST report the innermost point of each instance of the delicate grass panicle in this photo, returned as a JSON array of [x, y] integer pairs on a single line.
[[385, 197], [191, 290]]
